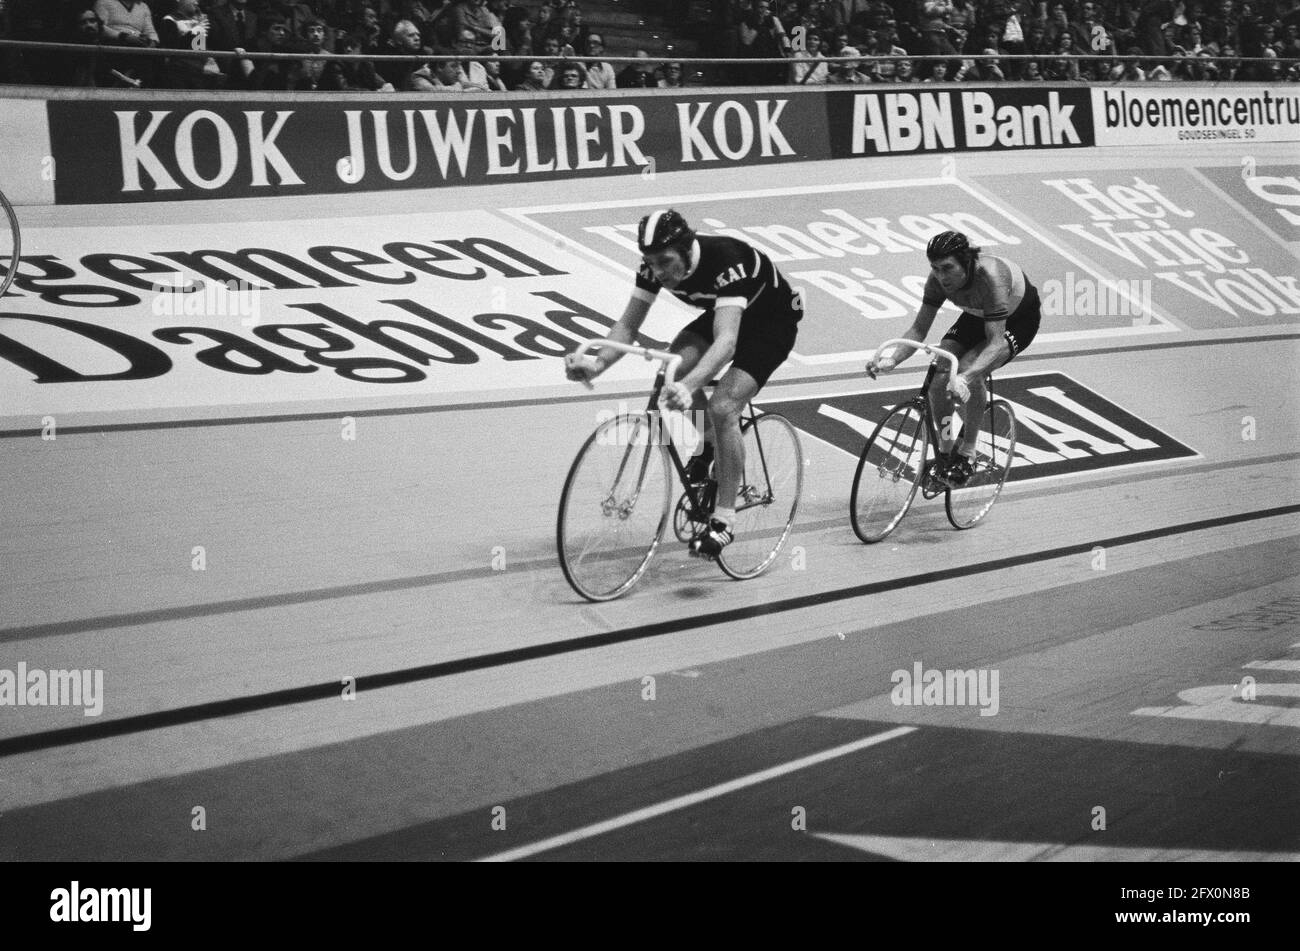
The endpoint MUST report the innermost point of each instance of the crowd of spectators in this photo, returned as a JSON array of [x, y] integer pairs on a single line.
[[455, 43], [1067, 39], [460, 38]]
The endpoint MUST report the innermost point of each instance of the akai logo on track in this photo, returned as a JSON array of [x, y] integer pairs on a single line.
[[1063, 428]]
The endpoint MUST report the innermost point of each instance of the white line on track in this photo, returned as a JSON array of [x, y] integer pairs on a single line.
[[691, 799]]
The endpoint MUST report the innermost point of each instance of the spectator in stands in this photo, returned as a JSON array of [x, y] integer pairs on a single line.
[[404, 41], [573, 30], [637, 75], [313, 74], [1270, 71], [127, 22], [474, 16], [534, 78], [87, 70], [1229, 66], [1013, 38], [988, 70], [1057, 23], [905, 72], [551, 48], [1031, 73], [473, 75], [672, 76], [274, 74], [600, 75], [841, 13], [938, 72], [961, 16], [492, 66], [187, 29], [1130, 70], [1289, 45], [1159, 72], [445, 77], [358, 75], [886, 44], [1064, 66], [1036, 40], [545, 24], [760, 35], [569, 76], [368, 31], [816, 71], [234, 27], [845, 72], [934, 41], [295, 15], [519, 42]]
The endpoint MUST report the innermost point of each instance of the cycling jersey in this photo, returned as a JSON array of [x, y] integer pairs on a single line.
[[729, 272], [995, 292]]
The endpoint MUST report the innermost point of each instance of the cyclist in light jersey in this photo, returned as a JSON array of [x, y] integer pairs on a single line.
[[1000, 316]]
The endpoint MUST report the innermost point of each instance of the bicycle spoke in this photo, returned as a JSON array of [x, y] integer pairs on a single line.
[[614, 508], [768, 496], [888, 474], [995, 451]]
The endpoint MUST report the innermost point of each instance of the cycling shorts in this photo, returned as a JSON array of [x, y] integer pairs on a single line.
[[761, 346], [1022, 325]]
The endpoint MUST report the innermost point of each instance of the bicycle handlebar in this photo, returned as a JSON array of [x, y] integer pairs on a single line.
[[918, 345], [669, 360]]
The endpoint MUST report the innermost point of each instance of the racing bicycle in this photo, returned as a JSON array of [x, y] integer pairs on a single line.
[[618, 496], [901, 458]]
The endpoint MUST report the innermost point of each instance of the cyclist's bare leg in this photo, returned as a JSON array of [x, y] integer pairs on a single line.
[[941, 401], [977, 404], [729, 399], [692, 346]]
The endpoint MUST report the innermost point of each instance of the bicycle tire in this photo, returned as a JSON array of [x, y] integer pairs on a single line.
[[617, 464], [10, 247], [889, 472], [969, 505], [773, 479]]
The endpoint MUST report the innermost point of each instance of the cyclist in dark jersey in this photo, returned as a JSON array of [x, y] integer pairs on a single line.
[[751, 316], [1000, 315]]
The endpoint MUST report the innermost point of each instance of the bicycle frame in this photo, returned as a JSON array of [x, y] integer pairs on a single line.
[[922, 398], [699, 502]]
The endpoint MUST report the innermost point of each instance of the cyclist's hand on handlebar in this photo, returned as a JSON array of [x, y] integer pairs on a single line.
[[880, 365], [676, 397], [582, 369]]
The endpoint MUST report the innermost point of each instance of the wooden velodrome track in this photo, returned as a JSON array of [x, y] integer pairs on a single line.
[[496, 715]]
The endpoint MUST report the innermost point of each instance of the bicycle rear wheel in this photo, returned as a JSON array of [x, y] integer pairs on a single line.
[[994, 453], [10, 244], [889, 472], [768, 497], [614, 507]]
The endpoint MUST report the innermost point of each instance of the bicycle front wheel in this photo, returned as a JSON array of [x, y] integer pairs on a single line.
[[768, 496], [889, 472], [10, 244], [614, 507], [994, 453]]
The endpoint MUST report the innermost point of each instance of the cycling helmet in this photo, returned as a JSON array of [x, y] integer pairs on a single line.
[[948, 244], [661, 230]]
